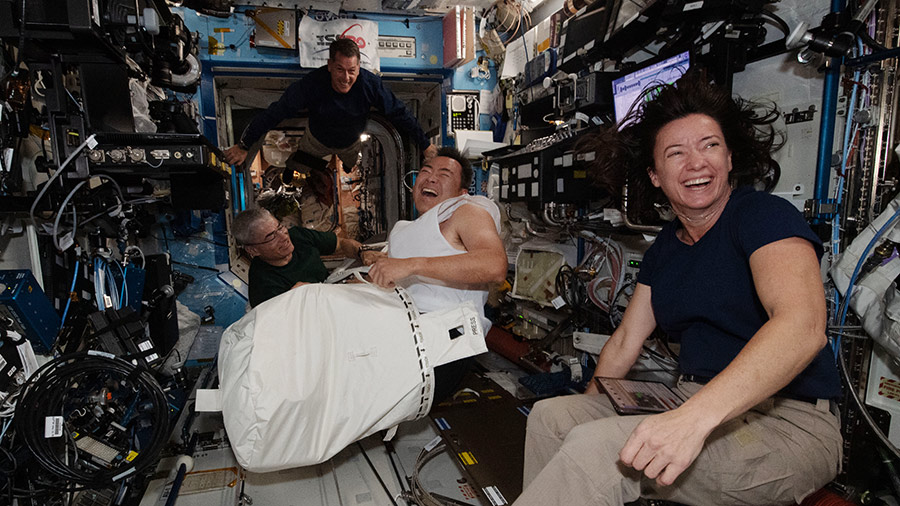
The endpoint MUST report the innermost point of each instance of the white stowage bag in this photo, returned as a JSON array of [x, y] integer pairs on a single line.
[[306, 373]]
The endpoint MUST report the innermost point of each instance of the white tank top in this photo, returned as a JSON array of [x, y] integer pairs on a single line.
[[423, 238]]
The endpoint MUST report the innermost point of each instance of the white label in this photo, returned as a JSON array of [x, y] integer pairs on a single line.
[[431, 444], [560, 185], [53, 426], [535, 173], [101, 354], [692, 6], [521, 188], [557, 161], [525, 168], [2, 362], [567, 159], [590, 156], [504, 192], [66, 241], [589, 46], [8, 158], [504, 174], [535, 189], [145, 346], [493, 494], [558, 302]]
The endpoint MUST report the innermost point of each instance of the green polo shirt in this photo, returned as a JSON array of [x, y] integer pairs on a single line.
[[267, 281]]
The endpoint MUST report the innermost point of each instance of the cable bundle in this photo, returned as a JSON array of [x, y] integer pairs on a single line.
[[606, 263], [105, 284], [100, 404]]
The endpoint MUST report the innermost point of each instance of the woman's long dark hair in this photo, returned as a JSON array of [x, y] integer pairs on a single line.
[[625, 153]]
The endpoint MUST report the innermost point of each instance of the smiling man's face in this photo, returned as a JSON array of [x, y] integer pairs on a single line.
[[344, 70], [438, 180]]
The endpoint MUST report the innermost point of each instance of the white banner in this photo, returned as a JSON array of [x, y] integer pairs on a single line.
[[316, 36]]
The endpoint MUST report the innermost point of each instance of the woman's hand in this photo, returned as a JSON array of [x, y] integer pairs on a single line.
[[664, 445]]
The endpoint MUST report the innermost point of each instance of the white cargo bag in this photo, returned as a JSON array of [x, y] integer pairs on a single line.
[[306, 373]]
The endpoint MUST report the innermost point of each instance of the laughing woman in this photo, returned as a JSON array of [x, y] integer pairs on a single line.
[[735, 278]]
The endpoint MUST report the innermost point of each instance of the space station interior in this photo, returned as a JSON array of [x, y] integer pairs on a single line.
[[136, 368]]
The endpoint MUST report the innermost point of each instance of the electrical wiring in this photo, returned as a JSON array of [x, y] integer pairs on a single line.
[[70, 389], [841, 320], [113, 288], [77, 104], [140, 252], [106, 290], [606, 263], [570, 286], [417, 493], [785, 29], [59, 214], [55, 231], [839, 184], [842, 313], [71, 291], [58, 173], [845, 374], [123, 291], [147, 200]]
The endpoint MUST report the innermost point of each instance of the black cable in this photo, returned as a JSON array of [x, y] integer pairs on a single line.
[[83, 389], [571, 286], [851, 390], [869, 41], [372, 466], [778, 20], [391, 451], [165, 238]]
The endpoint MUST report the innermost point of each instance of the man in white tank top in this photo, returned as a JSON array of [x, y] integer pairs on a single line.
[[452, 252]]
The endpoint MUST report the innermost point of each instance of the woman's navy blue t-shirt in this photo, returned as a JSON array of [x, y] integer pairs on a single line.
[[703, 294]]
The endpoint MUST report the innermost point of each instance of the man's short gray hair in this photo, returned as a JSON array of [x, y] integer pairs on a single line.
[[246, 222]]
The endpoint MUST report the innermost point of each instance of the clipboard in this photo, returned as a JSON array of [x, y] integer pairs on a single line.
[[636, 397]]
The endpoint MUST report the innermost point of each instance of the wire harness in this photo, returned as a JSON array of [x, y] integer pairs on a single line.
[[93, 419]]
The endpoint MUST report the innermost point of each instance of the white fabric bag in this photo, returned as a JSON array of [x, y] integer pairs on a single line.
[[306, 373]]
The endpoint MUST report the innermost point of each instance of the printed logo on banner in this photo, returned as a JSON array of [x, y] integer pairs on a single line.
[[317, 36], [357, 36]]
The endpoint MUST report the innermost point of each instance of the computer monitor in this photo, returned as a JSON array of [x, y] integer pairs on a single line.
[[582, 37], [628, 88]]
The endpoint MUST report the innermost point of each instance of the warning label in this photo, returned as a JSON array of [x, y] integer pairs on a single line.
[[889, 388]]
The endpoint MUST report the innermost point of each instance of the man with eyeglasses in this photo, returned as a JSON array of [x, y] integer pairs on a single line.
[[285, 258]]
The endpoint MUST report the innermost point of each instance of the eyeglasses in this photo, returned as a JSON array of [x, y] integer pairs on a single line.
[[269, 237]]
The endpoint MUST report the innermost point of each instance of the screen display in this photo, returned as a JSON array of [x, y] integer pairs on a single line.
[[628, 88]]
